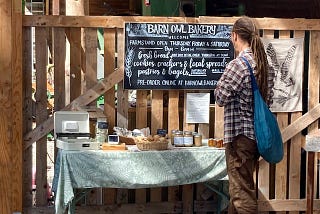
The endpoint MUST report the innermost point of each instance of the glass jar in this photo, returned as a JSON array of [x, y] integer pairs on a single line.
[[212, 142], [178, 138], [187, 138], [172, 136], [101, 131], [219, 143], [197, 139]]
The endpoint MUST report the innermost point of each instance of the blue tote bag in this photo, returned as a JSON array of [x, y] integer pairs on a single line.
[[268, 135]]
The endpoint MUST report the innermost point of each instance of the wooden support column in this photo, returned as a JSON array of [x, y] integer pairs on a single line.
[[313, 94], [173, 123], [11, 107], [310, 182], [27, 116]]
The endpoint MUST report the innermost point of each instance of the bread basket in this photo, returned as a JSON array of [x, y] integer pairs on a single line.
[[127, 140], [146, 146]]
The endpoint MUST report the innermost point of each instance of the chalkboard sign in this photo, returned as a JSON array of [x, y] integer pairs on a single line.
[[175, 55]]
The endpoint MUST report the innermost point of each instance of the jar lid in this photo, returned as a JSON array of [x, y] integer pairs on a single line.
[[188, 132], [102, 125], [161, 132]]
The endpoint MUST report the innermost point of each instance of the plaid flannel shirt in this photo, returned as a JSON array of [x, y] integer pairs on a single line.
[[234, 92]]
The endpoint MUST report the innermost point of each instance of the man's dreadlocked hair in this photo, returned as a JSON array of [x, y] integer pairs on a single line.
[[247, 30]]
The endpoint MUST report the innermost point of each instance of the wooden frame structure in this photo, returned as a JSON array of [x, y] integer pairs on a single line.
[[279, 185]]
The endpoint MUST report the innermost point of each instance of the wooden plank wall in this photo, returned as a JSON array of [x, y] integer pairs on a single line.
[[278, 185]]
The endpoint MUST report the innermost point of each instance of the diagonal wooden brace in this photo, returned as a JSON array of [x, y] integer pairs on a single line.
[[93, 93]]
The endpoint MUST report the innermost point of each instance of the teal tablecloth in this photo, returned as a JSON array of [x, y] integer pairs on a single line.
[[132, 170]]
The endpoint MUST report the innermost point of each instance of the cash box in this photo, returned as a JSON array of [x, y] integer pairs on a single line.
[[72, 131]]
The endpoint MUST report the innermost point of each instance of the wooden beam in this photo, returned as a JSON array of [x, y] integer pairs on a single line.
[[89, 58], [301, 123], [27, 115], [152, 207], [90, 95], [141, 109], [75, 63], [41, 35], [58, 7], [310, 181], [294, 169], [281, 168], [117, 21], [219, 122], [109, 36], [11, 107], [313, 95], [156, 111], [173, 124], [284, 205], [122, 94], [14, 130], [5, 111], [176, 207], [173, 111], [59, 58]]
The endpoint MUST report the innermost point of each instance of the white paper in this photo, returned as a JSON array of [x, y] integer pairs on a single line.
[[198, 107], [312, 143], [286, 58]]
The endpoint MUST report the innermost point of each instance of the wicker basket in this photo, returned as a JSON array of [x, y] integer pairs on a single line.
[[127, 140], [146, 146]]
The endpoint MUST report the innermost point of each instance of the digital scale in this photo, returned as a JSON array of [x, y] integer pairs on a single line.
[[72, 131]]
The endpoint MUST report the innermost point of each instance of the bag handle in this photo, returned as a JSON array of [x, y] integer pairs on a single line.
[[253, 79]]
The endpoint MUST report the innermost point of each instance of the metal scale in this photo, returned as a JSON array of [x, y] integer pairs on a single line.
[[72, 131]]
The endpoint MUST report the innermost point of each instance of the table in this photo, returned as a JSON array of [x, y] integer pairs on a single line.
[[134, 169], [311, 146]]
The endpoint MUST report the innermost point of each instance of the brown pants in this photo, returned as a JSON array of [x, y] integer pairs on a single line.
[[241, 156]]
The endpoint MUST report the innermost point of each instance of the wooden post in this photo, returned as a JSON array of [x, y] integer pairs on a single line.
[[313, 94], [41, 35], [310, 182], [11, 107], [16, 110], [58, 7], [109, 36], [76, 8], [173, 123], [27, 116], [295, 151]]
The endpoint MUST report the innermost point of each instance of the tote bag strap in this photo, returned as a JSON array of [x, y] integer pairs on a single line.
[[253, 79]]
